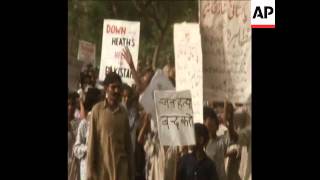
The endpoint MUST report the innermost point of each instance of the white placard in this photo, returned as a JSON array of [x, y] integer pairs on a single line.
[[188, 62], [226, 44], [174, 117], [118, 34], [87, 52]]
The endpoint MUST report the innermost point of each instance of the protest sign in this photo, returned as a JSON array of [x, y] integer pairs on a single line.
[[174, 117], [188, 62], [87, 52], [226, 44], [118, 34], [158, 82]]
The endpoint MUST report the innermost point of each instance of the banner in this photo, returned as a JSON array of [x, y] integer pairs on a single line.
[[226, 44], [87, 52], [188, 62], [174, 117], [118, 34]]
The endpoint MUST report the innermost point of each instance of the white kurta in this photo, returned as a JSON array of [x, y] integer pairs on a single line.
[[245, 164], [160, 163], [80, 147]]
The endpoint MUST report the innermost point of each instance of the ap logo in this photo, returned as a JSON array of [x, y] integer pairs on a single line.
[[263, 13]]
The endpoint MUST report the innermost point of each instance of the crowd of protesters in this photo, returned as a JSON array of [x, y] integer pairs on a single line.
[[110, 136]]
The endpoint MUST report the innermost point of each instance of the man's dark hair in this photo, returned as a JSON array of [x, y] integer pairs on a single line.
[[83, 77], [112, 77], [93, 96], [133, 96], [209, 112], [201, 131]]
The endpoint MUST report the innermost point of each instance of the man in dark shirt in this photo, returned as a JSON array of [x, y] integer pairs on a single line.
[[197, 165]]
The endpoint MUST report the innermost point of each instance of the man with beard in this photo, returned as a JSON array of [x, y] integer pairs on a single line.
[[109, 153]]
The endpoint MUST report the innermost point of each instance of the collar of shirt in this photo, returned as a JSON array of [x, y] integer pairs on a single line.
[[106, 105]]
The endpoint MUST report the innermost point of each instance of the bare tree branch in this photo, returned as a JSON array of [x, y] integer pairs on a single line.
[[150, 11], [143, 11], [156, 19], [137, 6], [168, 20], [114, 9]]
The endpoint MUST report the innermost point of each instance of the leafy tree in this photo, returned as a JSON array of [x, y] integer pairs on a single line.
[[85, 21]]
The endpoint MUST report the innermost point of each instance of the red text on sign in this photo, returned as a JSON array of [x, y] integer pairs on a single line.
[[116, 30]]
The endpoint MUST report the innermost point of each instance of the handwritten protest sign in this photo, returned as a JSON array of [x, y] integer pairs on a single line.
[[118, 34], [174, 117], [87, 52], [188, 62], [226, 42], [158, 82]]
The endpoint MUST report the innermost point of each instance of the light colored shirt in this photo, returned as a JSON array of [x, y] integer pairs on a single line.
[[82, 94], [244, 140], [223, 130], [99, 86], [80, 146], [215, 150]]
